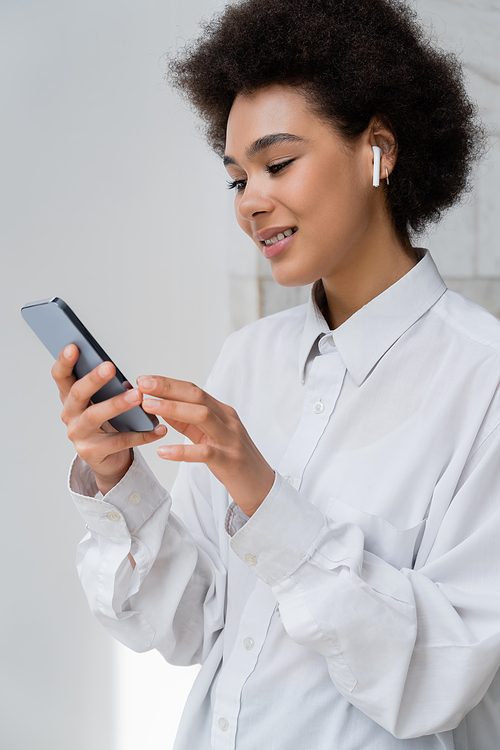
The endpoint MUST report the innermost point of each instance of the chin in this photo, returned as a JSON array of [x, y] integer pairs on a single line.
[[292, 278]]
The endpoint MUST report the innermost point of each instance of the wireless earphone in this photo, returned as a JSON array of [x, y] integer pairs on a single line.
[[377, 153]]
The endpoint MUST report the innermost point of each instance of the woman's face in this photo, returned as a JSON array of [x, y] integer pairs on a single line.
[[298, 183]]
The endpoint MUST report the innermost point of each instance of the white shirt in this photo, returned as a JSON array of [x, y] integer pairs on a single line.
[[359, 607]]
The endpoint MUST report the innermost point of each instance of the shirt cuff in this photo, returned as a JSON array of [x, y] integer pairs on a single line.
[[279, 535], [125, 508]]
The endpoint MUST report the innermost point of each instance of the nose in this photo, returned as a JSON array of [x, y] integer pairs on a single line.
[[255, 199]]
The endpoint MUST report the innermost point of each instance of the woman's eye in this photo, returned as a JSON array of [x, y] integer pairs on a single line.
[[240, 185], [275, 168], [237, 185]]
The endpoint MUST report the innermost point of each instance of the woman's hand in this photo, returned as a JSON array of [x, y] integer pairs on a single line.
[[220, 439], [105, 450]]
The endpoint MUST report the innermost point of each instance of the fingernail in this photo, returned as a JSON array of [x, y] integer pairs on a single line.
[[133, 395], [104, 370], [68, 352], [166, 450], [150, 403], [160, 430], [146, 382]]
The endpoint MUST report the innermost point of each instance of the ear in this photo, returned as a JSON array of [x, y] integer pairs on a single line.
[[381, 134]]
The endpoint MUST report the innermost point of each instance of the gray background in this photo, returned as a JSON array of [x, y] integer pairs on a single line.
[[111, 200]]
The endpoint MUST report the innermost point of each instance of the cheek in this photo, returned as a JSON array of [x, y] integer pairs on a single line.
[[336, 199], [322, 198]]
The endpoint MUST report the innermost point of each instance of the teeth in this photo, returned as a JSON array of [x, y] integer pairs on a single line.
[[280, 236]]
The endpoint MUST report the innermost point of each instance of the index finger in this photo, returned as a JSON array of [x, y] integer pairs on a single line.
[[173, 390], [62, 370], [183, 391]]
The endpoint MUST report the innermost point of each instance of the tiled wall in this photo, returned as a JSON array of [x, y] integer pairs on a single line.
[[466, 245]]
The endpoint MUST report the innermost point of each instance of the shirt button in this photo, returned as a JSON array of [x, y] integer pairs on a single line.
[[113, 515], [134, 498], [318, 407], [289, 480], [249, 643], [250, 559], [223, 724]]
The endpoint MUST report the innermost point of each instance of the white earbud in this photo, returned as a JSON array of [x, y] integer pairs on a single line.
[[377, 153]]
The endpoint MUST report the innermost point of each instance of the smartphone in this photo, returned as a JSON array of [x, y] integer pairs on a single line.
[[56, 325]]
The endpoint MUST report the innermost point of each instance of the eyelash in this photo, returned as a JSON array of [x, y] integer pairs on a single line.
[[239, 185]]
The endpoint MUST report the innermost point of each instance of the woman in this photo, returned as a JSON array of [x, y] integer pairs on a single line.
[[333, 565]]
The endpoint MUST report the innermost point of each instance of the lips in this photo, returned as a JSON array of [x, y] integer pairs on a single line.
[[276, 248]]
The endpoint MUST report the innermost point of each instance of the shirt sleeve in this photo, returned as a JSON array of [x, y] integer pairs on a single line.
[[179, 576], [175, 598], [414, 649]]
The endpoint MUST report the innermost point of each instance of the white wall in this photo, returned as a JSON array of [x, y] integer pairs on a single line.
[[110, 200]]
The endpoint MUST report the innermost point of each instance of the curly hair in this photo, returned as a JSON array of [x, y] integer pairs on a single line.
[[354, 59]]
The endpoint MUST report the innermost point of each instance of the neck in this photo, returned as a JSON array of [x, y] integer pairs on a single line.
[[366, 274]]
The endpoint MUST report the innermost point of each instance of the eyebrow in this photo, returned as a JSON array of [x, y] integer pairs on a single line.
[[261, 144]]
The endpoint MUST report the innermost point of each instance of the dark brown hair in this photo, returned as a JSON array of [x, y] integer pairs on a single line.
[[355, 59]]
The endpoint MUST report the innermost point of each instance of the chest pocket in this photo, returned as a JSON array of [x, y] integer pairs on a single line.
[[396, 546]]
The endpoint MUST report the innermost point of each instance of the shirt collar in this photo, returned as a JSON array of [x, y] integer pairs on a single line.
[[367, 335]]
